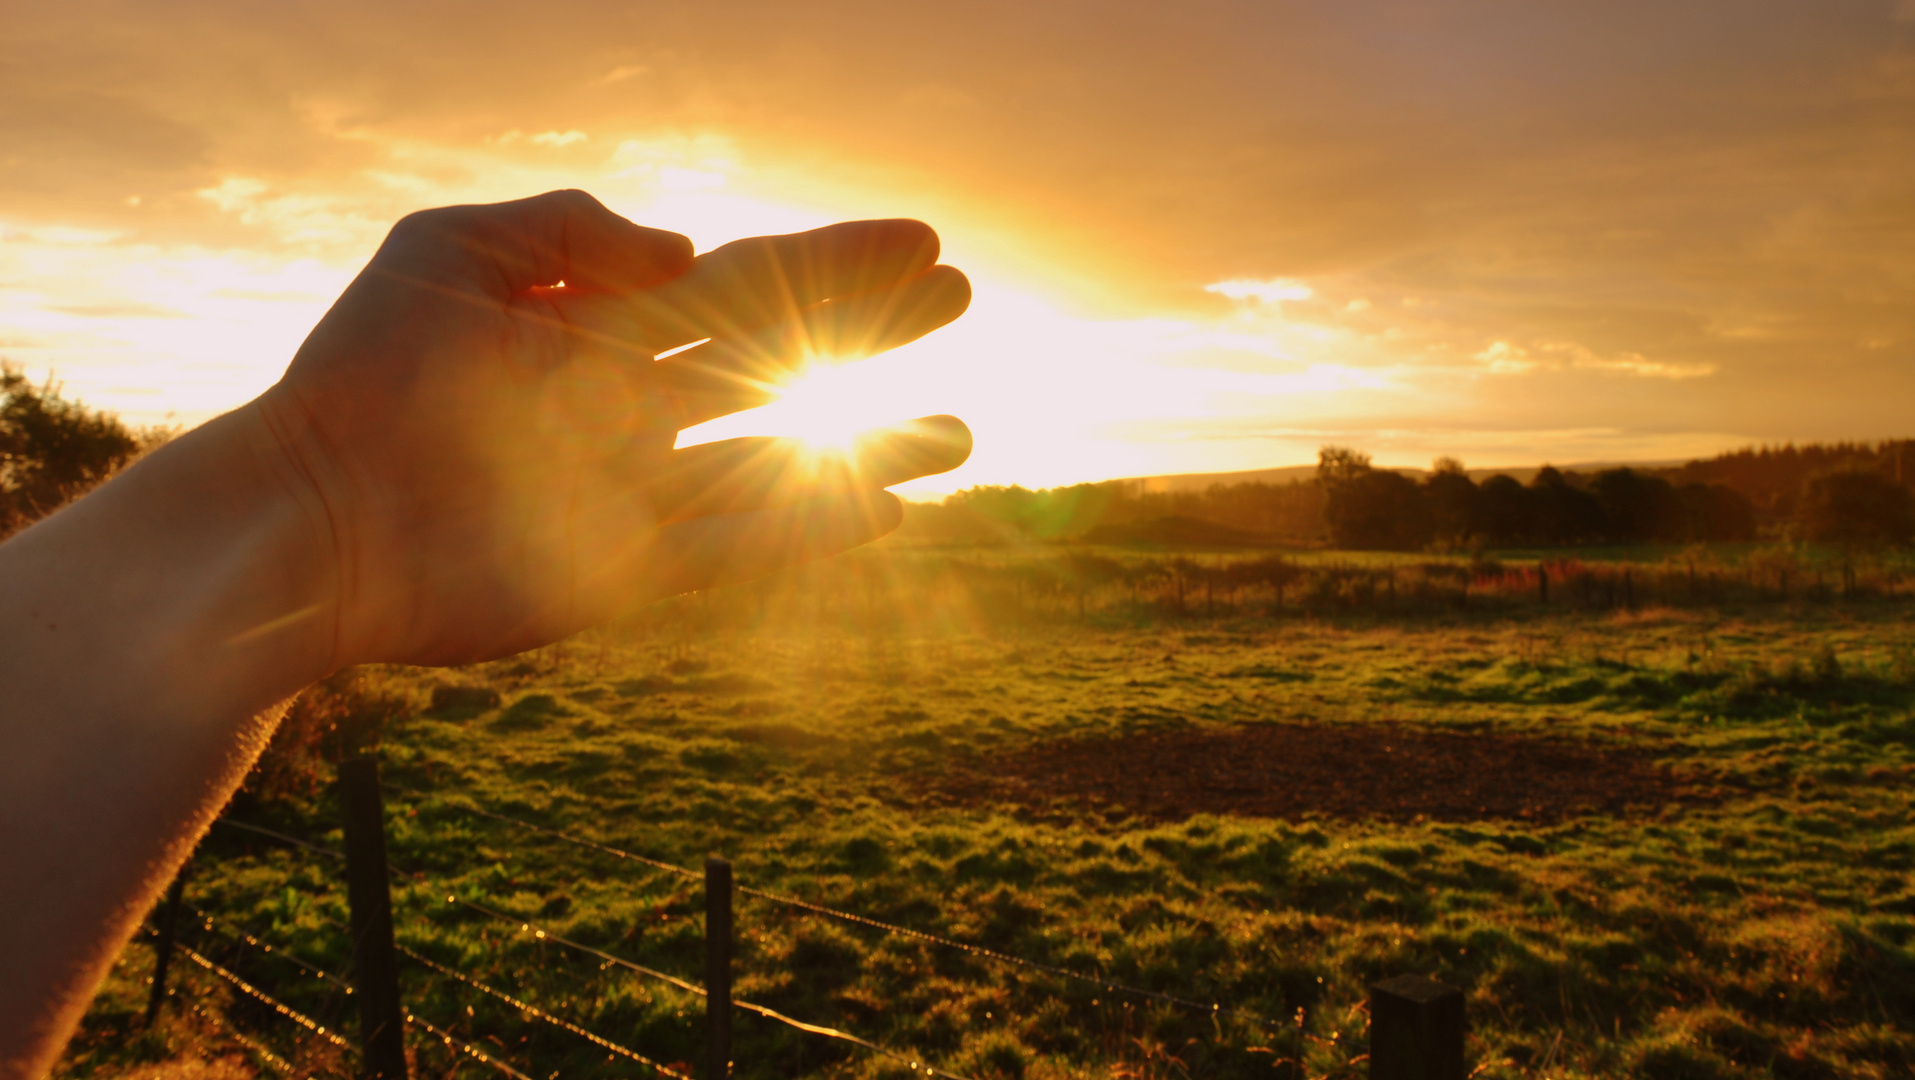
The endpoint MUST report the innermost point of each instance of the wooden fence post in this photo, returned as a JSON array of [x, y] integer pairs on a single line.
[[718, 937], [163, 948], [1416, 1030], [375, 964]]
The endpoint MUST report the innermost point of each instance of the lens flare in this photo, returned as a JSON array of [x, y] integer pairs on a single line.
[[827, 406]]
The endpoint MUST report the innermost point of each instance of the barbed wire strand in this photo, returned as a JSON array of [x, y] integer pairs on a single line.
[[525, 1006], [265, 1053], [295, 841], [199, 1009], [1108, 985], [271, 1002], [737, 1003], [465, 1048], [656, 864], [446, 1037], [240, 933], [532, 1010], [545, 935]]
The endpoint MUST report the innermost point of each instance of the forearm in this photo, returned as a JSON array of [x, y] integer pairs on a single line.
[[149, 629]]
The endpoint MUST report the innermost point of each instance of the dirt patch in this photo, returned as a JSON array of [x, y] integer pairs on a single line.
[[1291, 770]]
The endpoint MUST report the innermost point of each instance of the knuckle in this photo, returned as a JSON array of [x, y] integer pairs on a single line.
[[423, 226]]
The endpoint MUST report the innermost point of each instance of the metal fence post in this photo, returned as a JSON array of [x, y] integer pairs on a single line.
[[718, 938], [163, 948], [1416, 1030], [375, 964]]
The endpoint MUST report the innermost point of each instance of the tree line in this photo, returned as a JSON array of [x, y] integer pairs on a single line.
[[1847, 493], [1367, 507]]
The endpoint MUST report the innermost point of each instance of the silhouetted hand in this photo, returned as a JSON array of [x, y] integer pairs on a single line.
[[482, 433]]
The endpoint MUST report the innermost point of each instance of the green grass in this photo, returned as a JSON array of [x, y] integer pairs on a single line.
[[801, 729]]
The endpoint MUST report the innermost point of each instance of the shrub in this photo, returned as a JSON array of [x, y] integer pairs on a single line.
[[53, 450], [334, 718]]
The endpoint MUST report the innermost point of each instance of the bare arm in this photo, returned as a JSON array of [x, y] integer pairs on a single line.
[[466, 459]]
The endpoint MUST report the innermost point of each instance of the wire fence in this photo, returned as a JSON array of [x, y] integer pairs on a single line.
[[364, 861], [1106, 984]]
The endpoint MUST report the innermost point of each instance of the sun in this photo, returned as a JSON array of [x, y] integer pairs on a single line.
[[826, 406]]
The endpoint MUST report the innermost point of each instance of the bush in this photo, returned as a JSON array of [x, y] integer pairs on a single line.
[[332, 719], [53, 450]]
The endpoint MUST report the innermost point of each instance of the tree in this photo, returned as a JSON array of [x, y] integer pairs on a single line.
[[1635, 506], [53, 450], [1503, 511], [1454, 501], [1371, 508], [1856, 508], [1562, 513], [1340, 464]]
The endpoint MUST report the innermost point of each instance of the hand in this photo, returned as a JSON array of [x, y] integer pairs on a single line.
[[482, 430]]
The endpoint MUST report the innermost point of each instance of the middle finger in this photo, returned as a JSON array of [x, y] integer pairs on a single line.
[[728, 374]]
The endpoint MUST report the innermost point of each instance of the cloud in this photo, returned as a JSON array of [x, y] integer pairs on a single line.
[[619, 74], [1502, 358], [1268, 291]]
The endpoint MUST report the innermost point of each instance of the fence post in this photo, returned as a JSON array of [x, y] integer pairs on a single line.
[[163, 948], [375, 964], [1416, 1030], [718, 936]]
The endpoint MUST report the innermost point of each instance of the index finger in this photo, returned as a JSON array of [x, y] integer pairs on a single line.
[[749, 284]]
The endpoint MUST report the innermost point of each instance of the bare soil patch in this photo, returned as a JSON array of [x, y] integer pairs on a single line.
[[1295, 770]]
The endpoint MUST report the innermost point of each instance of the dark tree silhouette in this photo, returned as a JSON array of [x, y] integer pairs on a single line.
[[1503, 511], [1560, 512], [1371, 508], [53, 450], [1635, 506], [1456, 506], [1857, 508]]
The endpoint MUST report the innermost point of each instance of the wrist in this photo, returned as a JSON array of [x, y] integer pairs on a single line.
[[216, 560]]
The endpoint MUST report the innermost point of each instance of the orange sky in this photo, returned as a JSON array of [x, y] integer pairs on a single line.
[[1205, 235]]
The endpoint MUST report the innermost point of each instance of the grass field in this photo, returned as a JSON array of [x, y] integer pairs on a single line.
[[1667, 840]]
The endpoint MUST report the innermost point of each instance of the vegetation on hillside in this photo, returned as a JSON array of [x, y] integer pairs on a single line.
[[1851, 494]]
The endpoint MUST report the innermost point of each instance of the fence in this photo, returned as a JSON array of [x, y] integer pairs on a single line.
[[1416, 1025]]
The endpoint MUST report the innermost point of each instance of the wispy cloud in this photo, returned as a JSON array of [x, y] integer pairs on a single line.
[[1266, 291]]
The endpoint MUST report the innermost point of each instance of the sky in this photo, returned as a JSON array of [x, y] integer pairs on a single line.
[[1204, 236]]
